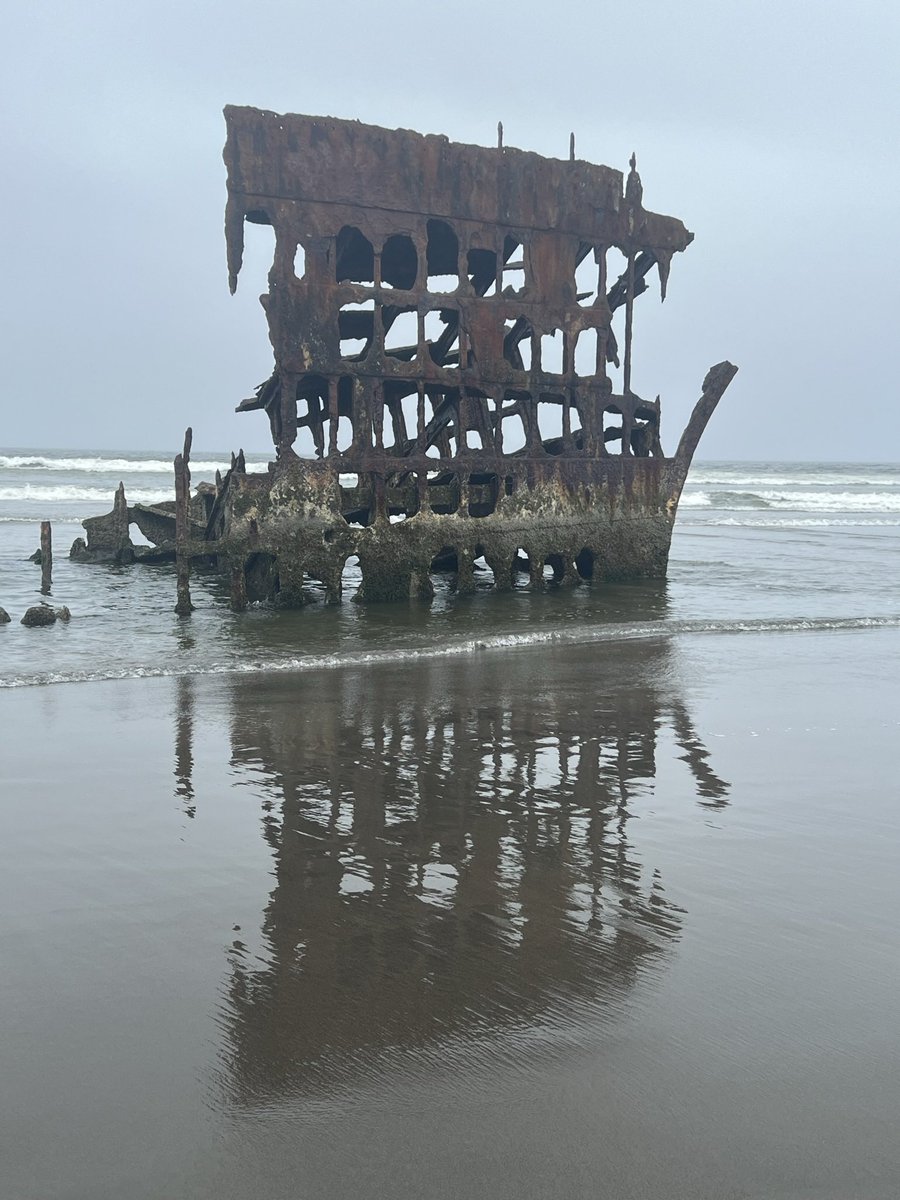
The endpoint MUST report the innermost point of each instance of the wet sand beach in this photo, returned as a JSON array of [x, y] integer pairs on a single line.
[[614, 920]]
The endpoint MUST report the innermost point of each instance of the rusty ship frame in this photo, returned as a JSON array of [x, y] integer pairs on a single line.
[[446, 329]]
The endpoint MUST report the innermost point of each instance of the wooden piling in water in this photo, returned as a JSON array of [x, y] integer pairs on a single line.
[[238, 587], [183, 605], [46, 558]]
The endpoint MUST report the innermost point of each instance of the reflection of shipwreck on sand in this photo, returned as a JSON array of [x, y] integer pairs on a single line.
[[444, 333], [444, 867]]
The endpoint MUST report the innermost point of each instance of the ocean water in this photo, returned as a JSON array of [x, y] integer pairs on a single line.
[[781, 546]]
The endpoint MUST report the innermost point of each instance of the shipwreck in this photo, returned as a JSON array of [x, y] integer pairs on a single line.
[[453, 357]]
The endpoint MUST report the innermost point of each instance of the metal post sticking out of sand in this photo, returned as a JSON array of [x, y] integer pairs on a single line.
[[183, 604], [46, 557]]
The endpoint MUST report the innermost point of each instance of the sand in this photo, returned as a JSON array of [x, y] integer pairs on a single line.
[[609, 921]]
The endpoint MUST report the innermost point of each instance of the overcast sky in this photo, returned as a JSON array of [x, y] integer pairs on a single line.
[[770, 129]]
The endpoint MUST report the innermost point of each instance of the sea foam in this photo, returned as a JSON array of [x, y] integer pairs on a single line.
[[98, 465], [582, 635], [100, 497]]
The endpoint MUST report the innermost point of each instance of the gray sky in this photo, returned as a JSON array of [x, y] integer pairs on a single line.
[[770, 129]]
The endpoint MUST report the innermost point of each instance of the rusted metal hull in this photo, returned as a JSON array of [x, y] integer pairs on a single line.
[[594, 528], [452, 377], [594, 518], [480, 255]]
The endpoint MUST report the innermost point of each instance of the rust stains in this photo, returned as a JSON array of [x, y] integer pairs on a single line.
[[452, 329]]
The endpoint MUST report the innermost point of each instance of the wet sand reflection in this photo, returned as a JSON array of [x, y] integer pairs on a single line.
[[184, 745], [451, 857]]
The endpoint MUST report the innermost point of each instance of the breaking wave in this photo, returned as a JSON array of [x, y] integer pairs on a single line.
[[805, 522], [796, 501], [580, 636], [100, 497], [97, 465], [887, 476]]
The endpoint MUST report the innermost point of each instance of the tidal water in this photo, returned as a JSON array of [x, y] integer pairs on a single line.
[[789, 546], [589, 893]]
